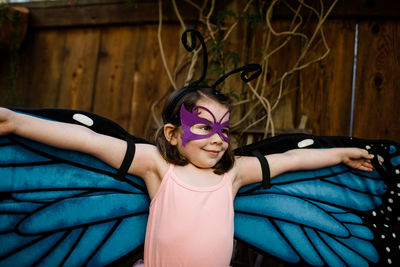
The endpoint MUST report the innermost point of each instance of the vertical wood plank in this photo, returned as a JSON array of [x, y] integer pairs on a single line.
[[46, 68], [284, 114], [377, 106], [12, 83], [23, 70], [78, 69], [114, 78], [325, 87], [150, 79]]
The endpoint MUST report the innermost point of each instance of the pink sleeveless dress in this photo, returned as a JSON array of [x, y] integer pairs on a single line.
[[190, 226]]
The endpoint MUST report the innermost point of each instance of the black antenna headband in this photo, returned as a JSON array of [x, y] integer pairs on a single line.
[[245, 71], [192, 46]]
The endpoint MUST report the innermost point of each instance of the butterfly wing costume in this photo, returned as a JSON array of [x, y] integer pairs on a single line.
[[62, 207], [331, 216]]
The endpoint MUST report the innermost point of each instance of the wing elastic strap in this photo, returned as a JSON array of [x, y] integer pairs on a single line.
[[126, 163], [266, 181]]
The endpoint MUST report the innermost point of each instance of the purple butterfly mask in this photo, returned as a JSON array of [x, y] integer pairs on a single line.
[[189, 119]]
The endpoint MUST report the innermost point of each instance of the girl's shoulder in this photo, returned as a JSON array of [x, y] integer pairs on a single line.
[[149, 164], [234, 172], [239, 166], [245, 170], [148, 161]]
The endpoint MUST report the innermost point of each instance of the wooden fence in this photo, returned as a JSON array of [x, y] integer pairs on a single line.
[[105, 58]]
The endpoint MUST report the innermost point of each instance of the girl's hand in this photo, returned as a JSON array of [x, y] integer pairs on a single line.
[[6, 124], [358, 159]]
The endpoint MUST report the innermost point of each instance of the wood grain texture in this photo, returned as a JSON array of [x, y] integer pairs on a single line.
[[150, 79], [377, 106], [116, 71], [78, 68], [46, 68], [113, 12], [280, 62], [325, 87], [114, 79], [98, 12]]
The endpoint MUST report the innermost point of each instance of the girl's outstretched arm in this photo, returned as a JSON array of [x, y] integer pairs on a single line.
[[249, 169], [63, 135], [79, 138]]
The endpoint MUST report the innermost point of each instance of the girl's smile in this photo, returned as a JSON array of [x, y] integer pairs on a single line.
[[213, 152]]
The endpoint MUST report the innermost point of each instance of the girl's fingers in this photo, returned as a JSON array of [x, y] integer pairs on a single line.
[[368, 164]]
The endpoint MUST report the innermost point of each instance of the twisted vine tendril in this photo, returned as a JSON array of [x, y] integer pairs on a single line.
[[260, 96]]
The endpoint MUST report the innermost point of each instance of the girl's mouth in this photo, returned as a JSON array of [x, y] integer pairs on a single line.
[[212, 152]]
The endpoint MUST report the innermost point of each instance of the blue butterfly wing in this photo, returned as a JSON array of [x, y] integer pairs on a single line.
[[65, 207], [332, 216]]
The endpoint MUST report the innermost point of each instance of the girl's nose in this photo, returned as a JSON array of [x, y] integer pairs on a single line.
[[216, 138]]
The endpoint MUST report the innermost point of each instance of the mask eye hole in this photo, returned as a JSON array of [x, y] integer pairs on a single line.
[[201, 129], [225, 131]]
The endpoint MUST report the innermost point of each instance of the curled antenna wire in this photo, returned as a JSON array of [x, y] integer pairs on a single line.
[[245, 71]]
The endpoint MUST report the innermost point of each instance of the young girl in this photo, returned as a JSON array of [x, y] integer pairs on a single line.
[[191, 176]]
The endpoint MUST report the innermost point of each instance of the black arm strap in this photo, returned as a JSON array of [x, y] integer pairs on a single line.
[[126, 163], [266, 181]]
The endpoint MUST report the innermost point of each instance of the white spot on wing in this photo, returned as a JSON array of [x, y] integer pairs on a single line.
[[83, 119], [305, 143]]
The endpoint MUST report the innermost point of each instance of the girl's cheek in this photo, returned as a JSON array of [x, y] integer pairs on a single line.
[[226, 146]]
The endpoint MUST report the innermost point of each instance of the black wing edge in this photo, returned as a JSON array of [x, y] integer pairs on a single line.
[[101, 124], [285, 142]]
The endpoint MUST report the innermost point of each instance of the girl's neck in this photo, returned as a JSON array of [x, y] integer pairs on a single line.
[[194, 176]]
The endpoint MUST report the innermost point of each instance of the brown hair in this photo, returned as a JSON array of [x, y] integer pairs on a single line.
[[171, 115]]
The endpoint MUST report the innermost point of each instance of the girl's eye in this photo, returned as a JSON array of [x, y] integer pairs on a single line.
[[225, 131], [201, 129], [206, 127]]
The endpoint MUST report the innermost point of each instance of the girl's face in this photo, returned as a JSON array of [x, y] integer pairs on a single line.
[[206, 152]]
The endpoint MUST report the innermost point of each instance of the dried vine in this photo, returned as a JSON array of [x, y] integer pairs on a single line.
[[259, 104]]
